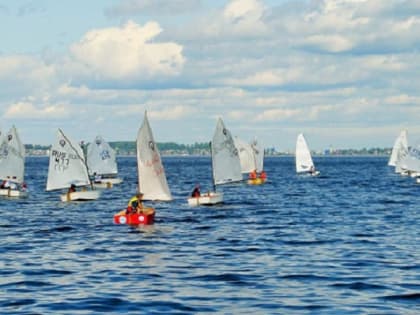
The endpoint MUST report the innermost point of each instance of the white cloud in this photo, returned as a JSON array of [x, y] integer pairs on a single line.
[[27, 110], [128, 52], [23, 72], [172, 113], [238, 19], [156, 7]]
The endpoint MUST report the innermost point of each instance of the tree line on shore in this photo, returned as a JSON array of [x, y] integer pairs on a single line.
[[203, 148]]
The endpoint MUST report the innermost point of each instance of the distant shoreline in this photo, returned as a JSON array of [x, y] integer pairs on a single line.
[[267, 156]]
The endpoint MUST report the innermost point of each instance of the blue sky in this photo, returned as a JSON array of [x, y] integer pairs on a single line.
[[344, 72]]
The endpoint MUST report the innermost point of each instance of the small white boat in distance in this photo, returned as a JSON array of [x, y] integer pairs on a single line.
[[399, 152], [67, 167], [12, 165], [304, 162], [102, 164], [226, 166]]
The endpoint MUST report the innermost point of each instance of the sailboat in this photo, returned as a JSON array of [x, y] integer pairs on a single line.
[[399, 151], [226, 167], [12, 165], [102, 164], [410, 163], [304, 163], [66, 168], [151, 177], [251, 159]]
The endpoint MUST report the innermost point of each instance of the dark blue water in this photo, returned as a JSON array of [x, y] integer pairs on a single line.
[[347, 242]]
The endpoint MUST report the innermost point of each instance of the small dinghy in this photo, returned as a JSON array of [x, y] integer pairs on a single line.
[[12, 165], [102, 164], [252, 161], [304, 163], [67, 168], [226, 166], [145, 216], [151, 178]]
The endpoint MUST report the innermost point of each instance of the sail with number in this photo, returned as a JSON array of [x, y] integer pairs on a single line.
[[151, 174], [303, 156], [12, 157], [225, 158], [67, 164], [101, 158]]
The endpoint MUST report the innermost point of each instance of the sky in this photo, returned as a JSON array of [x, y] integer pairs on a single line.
[[346, 73]]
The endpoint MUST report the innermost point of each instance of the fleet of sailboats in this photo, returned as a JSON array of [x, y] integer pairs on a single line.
[[102, 164], [67, 168], [226, 166], [230, 158]]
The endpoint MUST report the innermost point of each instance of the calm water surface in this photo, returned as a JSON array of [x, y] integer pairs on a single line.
[[346, 242]]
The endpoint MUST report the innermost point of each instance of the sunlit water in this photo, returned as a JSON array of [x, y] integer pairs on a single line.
[[346, 242]]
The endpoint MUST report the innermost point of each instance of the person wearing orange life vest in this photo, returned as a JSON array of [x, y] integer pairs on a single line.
[[253, 174], [263, 175]]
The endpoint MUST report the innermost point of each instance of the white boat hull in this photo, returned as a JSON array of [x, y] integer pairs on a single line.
[[210, 198], [81, 195], [107, 182], [13, 193]]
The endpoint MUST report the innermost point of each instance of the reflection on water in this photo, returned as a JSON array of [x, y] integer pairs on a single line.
[[345, 242]]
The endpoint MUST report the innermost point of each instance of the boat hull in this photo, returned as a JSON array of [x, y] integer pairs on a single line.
[[81, 195], [256, 181], [210, 198], [107, 183], [145, 217], [13, 193]]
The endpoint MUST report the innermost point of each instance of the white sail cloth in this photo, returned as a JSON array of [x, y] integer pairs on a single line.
[[12, 157], [400, 149], [101, 158], [151, 174], [67, 165], [246, 155], [303, 156], [225, 158]]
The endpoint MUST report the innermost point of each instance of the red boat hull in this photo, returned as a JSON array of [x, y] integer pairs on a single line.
[[145, 217]]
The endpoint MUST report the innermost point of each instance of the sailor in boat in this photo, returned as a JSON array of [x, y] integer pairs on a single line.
[[196, 192], [312, 170], [72, 189], [135, 204], [263, 175], [253, 175], [97, 178]]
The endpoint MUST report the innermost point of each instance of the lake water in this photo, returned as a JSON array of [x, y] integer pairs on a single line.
[[346, 242]]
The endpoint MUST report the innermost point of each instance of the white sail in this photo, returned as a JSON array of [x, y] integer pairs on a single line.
[[303, 157], [225, 157], [67, 165], [101, 158], [258, 155], [246, 155], [411, 161], [400, 149], [151, 174], [12, 157]]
